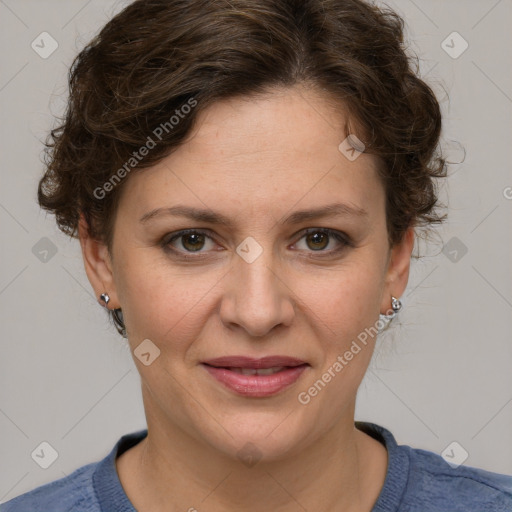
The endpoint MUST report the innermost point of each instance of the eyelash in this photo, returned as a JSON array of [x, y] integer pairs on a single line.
[[342, 238]]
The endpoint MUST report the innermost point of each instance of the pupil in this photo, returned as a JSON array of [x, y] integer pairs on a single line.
[[194, 243], [316, 237]]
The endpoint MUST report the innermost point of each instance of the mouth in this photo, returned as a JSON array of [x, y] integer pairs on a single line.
[[256, 377], [257, 371]]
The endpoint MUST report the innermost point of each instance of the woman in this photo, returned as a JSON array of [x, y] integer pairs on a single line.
[[246, 180]]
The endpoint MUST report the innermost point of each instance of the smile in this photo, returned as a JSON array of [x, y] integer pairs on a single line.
[[256, 382]]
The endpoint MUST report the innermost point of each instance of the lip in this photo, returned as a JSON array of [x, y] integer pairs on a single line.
[[249, 362], [255, 386]]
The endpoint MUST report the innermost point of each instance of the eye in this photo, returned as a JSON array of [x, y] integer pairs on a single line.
[[317, 239], [191, 241]]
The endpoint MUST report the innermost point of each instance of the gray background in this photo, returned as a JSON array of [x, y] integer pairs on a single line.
[[442, 374]]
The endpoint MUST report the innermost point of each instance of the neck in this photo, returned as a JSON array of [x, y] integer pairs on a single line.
[[344, 469]]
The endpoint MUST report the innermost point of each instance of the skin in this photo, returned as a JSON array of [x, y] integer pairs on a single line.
[[255, 161]]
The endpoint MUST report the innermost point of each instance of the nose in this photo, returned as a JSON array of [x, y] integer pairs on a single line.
[[256, 298]]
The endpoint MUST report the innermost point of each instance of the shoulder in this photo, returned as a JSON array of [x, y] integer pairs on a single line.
[[91, 488], [435, 485], [73, 492], [421, 480]]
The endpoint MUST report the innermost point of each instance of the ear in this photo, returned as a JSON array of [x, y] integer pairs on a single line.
[[98, 265], [397, 274]]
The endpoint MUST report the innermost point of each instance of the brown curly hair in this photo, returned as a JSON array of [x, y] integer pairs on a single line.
[[157, 55]]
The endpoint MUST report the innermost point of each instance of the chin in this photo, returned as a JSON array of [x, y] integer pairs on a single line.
[[261, 437]]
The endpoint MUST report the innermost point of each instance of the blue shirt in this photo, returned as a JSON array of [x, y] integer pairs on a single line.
[[416, 481]]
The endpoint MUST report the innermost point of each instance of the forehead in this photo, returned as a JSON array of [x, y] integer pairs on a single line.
[[257, 153]]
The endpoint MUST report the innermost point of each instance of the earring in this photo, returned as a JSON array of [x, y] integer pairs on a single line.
[[117, 315], [396, 306], [105, 298]]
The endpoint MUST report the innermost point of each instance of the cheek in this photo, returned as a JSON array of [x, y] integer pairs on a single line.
[[163, 302], [345, 312], [344, 301]]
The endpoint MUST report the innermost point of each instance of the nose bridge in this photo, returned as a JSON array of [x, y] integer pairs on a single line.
[[257, 278], [260, 298]]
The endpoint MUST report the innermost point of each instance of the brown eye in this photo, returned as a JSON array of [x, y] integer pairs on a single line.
[[318, 240], [193, 241]]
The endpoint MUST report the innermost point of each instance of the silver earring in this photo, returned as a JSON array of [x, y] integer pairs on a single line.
[[117, 315], [396, 306], [105, 298]]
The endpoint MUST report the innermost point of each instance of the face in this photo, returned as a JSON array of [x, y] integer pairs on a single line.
[[264, 282]]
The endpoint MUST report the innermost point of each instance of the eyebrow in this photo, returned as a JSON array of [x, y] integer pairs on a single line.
[[209, 216]]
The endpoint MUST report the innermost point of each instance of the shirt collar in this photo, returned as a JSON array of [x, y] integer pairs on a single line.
[[112, 497]]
